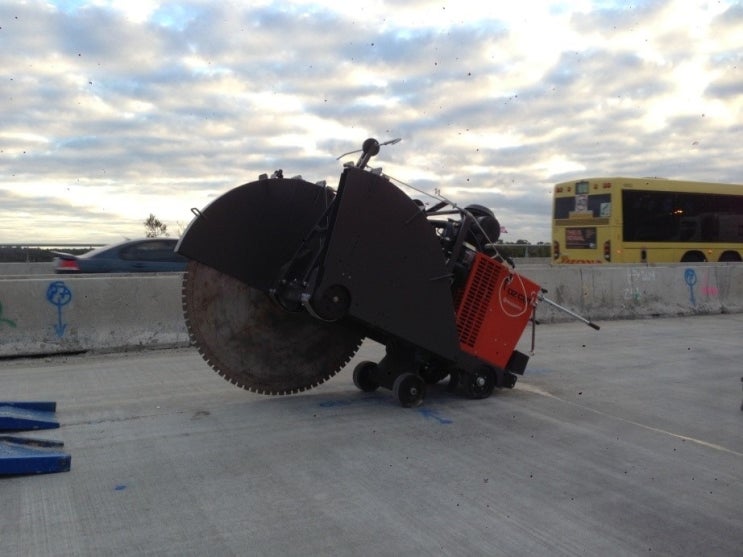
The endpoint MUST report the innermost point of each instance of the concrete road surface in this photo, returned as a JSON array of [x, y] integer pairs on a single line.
[[626, 441]]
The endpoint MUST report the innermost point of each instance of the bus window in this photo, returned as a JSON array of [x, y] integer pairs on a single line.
[[598, 205], [656, 216], [563, 207], [649, 216]]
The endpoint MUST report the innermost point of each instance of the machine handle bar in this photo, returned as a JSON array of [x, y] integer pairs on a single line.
[[542, 298]]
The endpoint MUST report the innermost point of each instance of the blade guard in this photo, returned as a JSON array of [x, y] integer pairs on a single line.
[[381, 249], [253, 229], [385, 253]]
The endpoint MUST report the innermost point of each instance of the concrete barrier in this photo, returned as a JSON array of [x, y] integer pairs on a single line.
[[631, 292], [28, 268], [63, 313]]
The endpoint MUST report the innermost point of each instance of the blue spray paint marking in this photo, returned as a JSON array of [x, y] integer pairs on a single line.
[[120, 487], [690, 278], [426, 412], [8, 322], [433, 415], [338, 402], [59, 295]]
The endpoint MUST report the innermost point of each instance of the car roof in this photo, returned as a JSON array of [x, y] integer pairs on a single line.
[[124, 243]]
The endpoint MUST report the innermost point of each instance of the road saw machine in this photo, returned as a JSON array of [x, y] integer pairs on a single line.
[[286, 278]]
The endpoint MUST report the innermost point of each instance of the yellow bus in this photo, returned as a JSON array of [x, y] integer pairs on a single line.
[[646, 220]]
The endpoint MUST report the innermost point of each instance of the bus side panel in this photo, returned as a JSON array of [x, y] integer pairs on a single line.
[[646, 220]]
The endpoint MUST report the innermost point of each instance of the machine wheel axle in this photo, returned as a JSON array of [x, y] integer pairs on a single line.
[[409, 389], [477, 384]]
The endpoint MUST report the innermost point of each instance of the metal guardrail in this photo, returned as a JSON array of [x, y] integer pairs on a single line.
[[40, 252]]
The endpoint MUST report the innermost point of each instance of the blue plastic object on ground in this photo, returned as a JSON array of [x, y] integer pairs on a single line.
[[23, 416], [21, 455]]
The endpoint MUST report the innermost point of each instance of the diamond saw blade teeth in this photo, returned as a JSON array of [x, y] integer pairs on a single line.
[[255, 344]]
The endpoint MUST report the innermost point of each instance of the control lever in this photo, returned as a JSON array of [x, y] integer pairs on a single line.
[[369, 149], [542, 298]]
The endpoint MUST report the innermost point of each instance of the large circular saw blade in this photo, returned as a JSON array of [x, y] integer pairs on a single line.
[[255, 344]]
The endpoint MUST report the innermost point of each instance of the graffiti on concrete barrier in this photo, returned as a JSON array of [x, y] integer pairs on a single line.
[[690, 278], [636, 287], [632, 293], [707, 288], [641, 274], [59, 295], [5, 321]]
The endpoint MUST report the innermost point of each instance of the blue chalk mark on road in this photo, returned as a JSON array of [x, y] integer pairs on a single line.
[[432, 414], [349, 402], [59, 295], [425, 411]]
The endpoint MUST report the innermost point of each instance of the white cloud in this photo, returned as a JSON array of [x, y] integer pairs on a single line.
[[129, 108]]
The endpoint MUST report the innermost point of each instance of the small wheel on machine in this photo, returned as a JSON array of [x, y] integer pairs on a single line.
[[479, 384], [362, 376], [409, 389]]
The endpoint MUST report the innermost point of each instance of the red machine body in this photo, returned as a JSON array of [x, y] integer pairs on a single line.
[[493, 310]]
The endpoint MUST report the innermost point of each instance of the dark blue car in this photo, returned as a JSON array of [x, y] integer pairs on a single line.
[[149, 255]]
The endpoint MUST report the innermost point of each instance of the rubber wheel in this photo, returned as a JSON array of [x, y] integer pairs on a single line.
[[479, 384], [693, 257], [362, 377], [729, 257], [409, 389]]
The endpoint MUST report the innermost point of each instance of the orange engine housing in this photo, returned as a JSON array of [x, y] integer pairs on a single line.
[[493, 310]]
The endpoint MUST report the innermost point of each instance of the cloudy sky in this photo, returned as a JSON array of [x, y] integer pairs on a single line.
[[114, 109]]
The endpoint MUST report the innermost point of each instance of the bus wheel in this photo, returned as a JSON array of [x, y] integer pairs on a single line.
[[693, 257], [729, 256]]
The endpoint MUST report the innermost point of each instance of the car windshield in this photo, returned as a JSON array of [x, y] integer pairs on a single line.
[[138, 249], [155, 250]]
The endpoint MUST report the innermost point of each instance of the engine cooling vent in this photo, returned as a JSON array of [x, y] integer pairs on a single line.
[[482, 282]]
